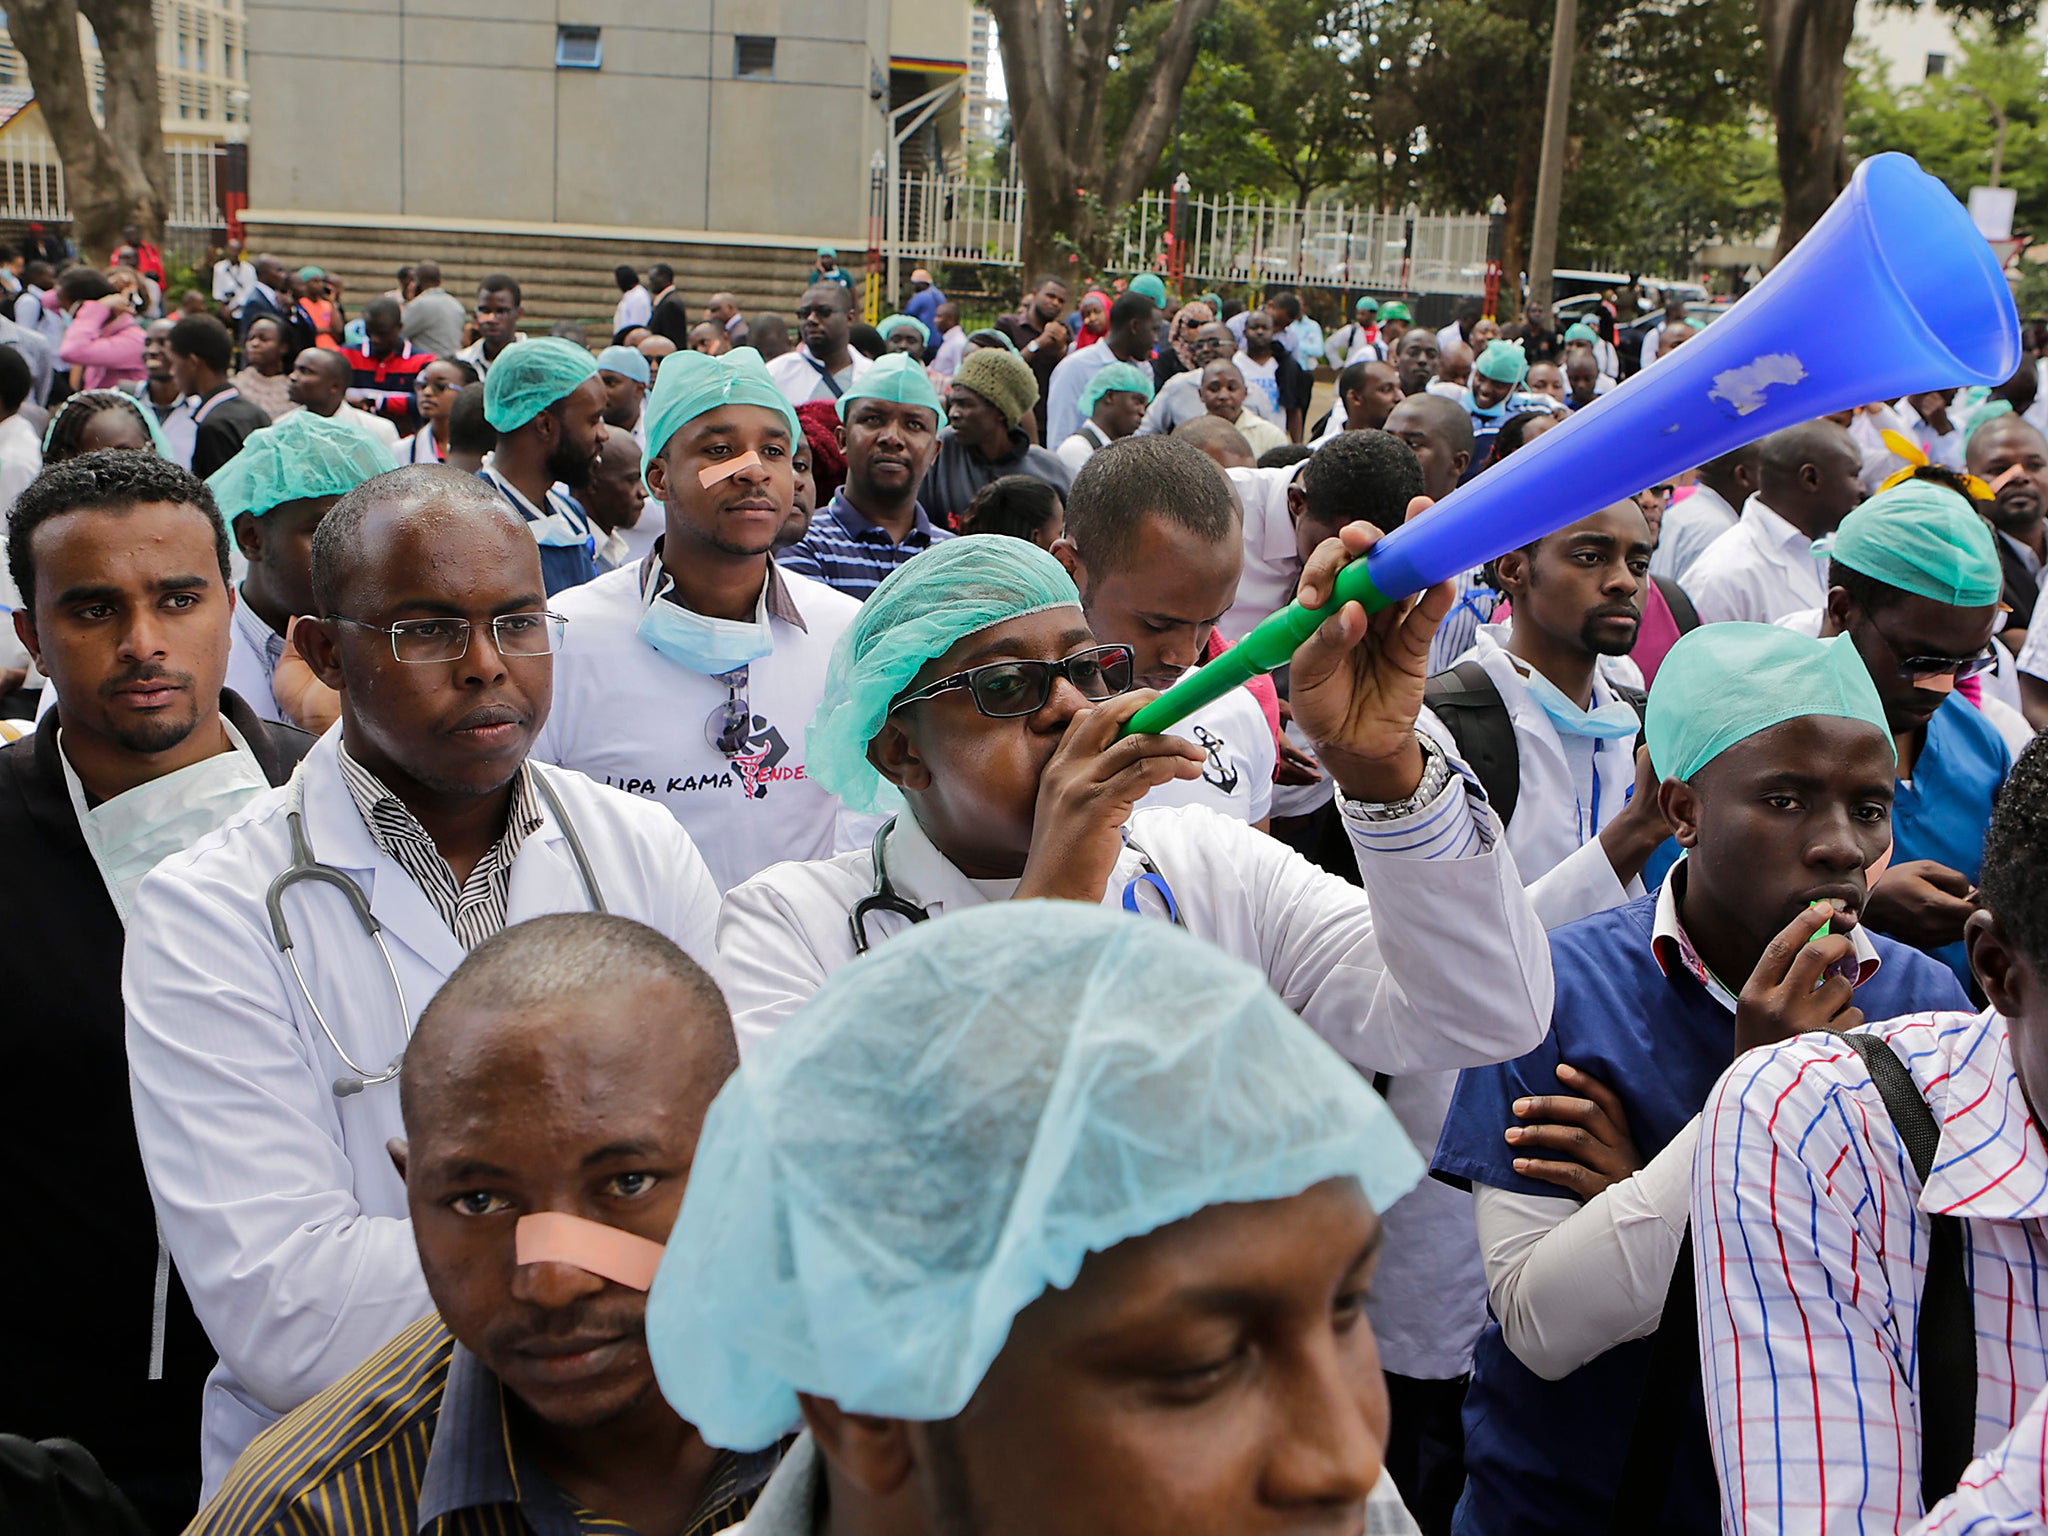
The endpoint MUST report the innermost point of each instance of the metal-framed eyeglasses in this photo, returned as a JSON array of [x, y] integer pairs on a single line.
[[417, 642], [1003, 690]]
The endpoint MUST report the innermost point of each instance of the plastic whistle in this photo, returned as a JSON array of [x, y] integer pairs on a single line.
[[1848, 967]]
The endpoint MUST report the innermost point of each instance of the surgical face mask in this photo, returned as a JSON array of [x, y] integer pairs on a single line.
[[1612, 721], [699, 643], [132, 833]]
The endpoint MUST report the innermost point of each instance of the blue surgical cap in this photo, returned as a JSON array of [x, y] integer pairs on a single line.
[[530, 376], [1152, 286], [897, 377], [948, 1129], [301, 455], [898, 322], [920, 611], [629, 361], [1723, 683], [1125, 377], [1503, 361], [1923, 538], [691, 383]]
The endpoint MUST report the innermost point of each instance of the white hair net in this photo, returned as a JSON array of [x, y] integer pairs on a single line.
[[951, 1125]]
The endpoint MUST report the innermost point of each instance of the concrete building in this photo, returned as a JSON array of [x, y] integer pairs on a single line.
[[729, 117], [1916, 44], [983, 111]]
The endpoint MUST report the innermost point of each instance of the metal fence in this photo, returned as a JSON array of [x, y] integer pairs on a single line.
[[1222, 240], [32, 184]]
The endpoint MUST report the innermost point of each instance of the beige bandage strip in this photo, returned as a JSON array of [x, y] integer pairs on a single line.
[[557, 1237], [717, 472]]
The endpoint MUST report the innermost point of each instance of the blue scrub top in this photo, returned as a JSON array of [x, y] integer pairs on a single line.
[[1942, 814], [1545, 1456]]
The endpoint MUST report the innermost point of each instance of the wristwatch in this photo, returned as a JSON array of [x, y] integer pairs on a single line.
[[1437, 772]]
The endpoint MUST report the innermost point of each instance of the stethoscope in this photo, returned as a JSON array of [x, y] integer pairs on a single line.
[[886, 898], [305, 867]]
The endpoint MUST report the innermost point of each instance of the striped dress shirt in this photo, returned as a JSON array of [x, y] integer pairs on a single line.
[[844, 549], [417, 1440], [475, 909], [1810, 1244]]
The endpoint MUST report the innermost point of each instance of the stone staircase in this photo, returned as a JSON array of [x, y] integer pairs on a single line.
[[562, 275]]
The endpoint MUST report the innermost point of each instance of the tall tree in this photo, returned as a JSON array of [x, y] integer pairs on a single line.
[[114, 171], [1806, 44], [1057, 59]]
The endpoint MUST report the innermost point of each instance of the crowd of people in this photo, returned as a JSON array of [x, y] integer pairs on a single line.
[[509, 843]]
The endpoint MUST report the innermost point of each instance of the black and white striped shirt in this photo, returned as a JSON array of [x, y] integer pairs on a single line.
[[476, 909]]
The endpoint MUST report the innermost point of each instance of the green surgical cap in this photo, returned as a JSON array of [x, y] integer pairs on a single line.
[[1580, 331], [899, 377], [1150, 285], [1923, 538], [1722, 683], [1396, 311], [1503, 361], [948, 1129], [690, 383], [1126, 377], [302, 455], [530, 376], [924, 607], [897, 322]]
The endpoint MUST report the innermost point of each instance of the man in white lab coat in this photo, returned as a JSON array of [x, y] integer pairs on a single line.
[[264, 1037], [971, 690]]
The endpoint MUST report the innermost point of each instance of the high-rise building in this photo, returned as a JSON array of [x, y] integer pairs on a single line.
[[981, 126]]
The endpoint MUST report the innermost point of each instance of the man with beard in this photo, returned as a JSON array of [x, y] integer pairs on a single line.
[[824, 366], [1040, 336], [575, 1057], [1415, 360], [1914, 581], [122, 562], [2009, 453], [547, 404], [627, 378], [889, 427]]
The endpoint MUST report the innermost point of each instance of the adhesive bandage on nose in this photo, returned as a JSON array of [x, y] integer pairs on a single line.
[[557, 1237], [717, 472]]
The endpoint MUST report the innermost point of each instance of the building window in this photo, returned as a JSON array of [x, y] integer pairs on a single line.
[[1937, 65], [753, 57], [578, 48]]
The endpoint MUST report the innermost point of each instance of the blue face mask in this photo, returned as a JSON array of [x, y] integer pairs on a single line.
[[697, 642], [1612, 721]]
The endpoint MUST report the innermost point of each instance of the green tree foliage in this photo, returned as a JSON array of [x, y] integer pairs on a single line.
[[1440, 103], [1949, 130]]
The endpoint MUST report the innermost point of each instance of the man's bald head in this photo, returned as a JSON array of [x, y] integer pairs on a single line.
[[1807, 474], [546, 987], [340, 544], [1819, 441], [1218, 439], [566, 1066], [1997, 436]]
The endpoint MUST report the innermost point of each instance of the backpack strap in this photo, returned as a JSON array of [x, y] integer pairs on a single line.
[[1472, 710], [1683, 613], [1946, 1350]]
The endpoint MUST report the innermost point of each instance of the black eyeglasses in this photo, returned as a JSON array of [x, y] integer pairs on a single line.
[[816, 312], [1958, 667], [1004, 690]]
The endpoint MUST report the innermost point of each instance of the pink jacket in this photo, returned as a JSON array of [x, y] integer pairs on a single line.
[[107, 346]]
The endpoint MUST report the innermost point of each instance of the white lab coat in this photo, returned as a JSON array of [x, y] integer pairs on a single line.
[[1438, 963], [278, 1200], [1272, 560]]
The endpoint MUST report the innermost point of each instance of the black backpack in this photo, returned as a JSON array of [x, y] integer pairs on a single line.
[[1947, 1333], [1470, 706]]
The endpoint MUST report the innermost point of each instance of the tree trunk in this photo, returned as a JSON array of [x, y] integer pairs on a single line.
[[112, 175], [1056, 67], [1806, 48]]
